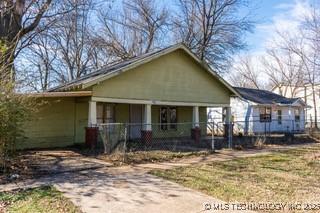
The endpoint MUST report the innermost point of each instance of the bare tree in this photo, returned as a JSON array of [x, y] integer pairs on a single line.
[[294, 61], [15, 22], [60, 53], [72, 36], [284, 69], [19, 22], [245, 74], [308, 51], [35, 65], [213, 29], [137, 29]]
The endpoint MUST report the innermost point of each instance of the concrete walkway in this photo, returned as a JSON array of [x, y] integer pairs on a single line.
[[132, 189], [221, 155]]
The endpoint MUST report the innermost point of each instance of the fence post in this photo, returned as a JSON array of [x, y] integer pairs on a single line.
[[230, 135], [212, 138], [125, 142], [292, 126]]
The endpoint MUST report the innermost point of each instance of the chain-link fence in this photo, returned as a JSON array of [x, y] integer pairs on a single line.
[[178, 137], [312, 127], [188, 137], [269, 127]]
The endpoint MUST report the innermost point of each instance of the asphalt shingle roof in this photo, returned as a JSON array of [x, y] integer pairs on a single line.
[[263, 96]]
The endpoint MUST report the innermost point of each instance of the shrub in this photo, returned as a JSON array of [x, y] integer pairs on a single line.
[[15, 109]]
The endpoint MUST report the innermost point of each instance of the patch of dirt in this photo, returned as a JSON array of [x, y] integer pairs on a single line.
[[121, 184], [313, 156], [3, 206], [19, 167], [31, 164]]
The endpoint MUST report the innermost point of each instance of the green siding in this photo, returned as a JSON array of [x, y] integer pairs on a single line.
[[82, 109], [172, 77], [122, 112], [62, 122], [203, 120], [53, 125]]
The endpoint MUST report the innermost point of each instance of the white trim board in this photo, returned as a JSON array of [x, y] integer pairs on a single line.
[[156, 102]]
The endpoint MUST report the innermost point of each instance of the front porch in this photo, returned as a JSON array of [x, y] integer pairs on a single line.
[[152, 126]]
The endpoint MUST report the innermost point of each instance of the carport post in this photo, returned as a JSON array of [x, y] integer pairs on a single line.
[[92, 129], [92, 116]]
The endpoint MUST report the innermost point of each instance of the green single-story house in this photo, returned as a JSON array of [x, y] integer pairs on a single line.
[[141, 90]]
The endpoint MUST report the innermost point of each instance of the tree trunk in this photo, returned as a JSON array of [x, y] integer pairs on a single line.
[[7, 61], [315, 107]]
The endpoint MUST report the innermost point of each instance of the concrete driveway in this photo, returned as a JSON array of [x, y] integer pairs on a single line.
[[102, 191], [124, 189]]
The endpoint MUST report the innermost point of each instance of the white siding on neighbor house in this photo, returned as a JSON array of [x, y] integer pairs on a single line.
[[246, 118], [287, 123], [305, 93], [242, 115]]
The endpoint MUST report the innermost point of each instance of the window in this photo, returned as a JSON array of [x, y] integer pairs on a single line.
[[265, 114], [168, 118], [296, 115], [173, 118], [224, 115], [279, 116], [105, 113]]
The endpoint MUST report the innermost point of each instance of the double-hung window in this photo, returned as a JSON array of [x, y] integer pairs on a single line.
[[265, 114], [296, 115], [105, 113], [279, 116], [168, 118]]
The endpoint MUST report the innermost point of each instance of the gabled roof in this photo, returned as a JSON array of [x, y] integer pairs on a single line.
[[265, 97], [115, 69]]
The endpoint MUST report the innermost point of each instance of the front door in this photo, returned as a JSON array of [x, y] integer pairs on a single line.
[[135, 120]]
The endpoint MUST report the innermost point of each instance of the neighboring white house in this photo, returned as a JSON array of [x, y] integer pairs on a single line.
[[261, 111], [305, 92]]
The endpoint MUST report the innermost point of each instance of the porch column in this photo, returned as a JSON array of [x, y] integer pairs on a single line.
[[92, 117], [146, 133], [92, 129], [195, 131], [195, 117], [147, 118], [228, 129]]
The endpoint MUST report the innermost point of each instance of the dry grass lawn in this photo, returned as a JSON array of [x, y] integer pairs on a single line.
[[44, 199], [284, 176]]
